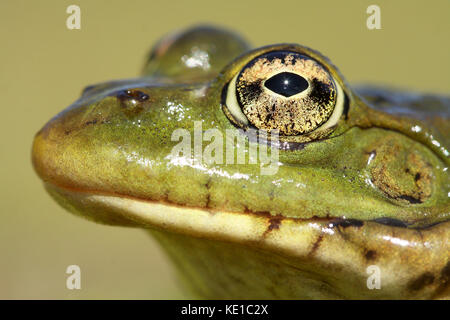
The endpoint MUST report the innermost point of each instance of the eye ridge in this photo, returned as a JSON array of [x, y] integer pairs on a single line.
[[286, 84]]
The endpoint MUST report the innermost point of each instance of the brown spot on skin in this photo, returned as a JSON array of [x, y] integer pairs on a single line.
[[444, 281], [208, 194], [370, 255], [445, 273], [424, 280], [410, 199], [316, 245], [91, 122], [344, 223], [87, 123], [341, 224], [274, 223], [391, 222]]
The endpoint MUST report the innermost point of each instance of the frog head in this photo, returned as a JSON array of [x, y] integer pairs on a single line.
[[261, 172]]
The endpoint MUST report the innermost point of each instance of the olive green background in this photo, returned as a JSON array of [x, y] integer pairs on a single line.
[[44, 66]]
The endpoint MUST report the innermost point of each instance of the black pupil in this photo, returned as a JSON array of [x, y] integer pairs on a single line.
[[286, 84]]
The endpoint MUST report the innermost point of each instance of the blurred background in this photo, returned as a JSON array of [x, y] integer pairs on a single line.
[[44, 66]]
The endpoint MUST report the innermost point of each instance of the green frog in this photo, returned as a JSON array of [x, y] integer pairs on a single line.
[[261, 172]]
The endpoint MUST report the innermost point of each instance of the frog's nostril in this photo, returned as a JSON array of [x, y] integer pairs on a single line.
[[136, 95], [132, 100]]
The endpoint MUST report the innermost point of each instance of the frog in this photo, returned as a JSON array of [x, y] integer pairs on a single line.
[[353, 202]]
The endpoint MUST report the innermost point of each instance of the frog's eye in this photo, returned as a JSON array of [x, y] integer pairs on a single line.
[[287, 91]]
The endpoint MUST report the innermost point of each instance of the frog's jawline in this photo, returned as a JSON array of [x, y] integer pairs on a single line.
[[273, 220]]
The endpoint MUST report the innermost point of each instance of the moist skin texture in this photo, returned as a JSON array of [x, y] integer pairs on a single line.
[[372, 190]]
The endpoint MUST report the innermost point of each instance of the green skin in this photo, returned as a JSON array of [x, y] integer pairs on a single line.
[[374, 191]]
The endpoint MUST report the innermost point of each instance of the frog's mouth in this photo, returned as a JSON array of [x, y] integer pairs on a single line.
[[125, 210], [115, 209]]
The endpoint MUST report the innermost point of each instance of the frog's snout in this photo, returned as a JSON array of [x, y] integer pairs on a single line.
[[91, 142]]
